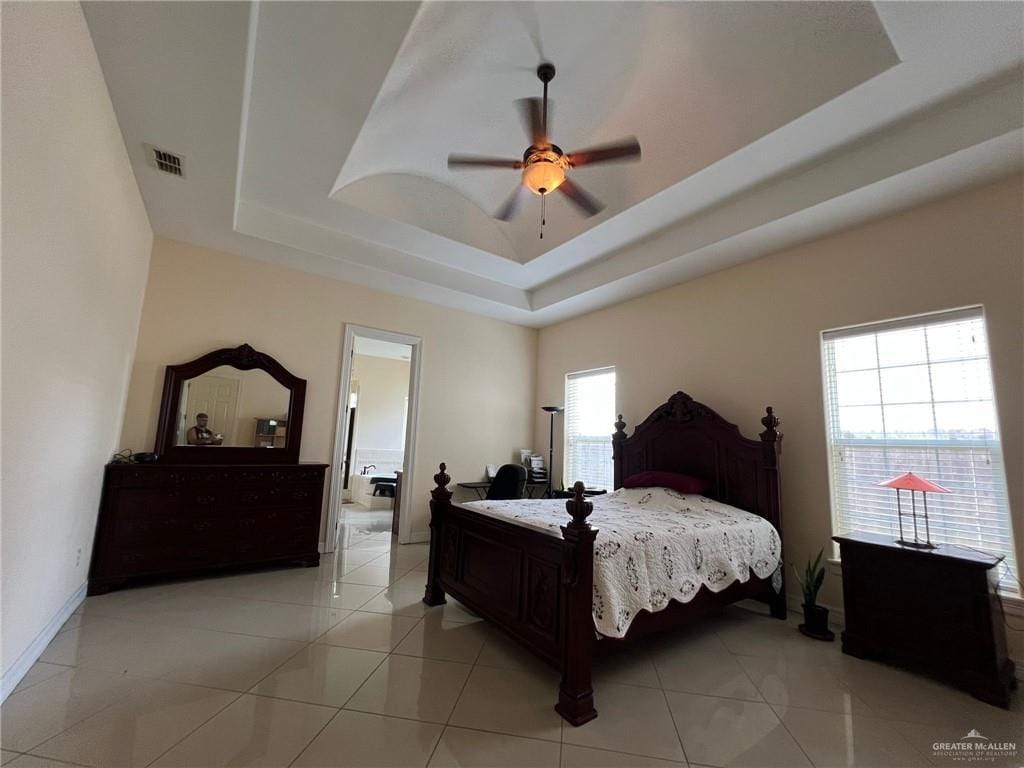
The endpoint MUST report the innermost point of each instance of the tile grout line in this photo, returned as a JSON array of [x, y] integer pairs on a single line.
[[671, 714], [150, 623], [49, 759], [141, 622], [316, 736], [792, 736], [308, 643], [237, 694], [352, 695], [131, 678], [189, 734], [871, 714], [387, 655], [770, 706], [19, 689], [72, 725]]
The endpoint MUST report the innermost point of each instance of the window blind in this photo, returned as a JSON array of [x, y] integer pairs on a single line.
[[589, 422], [916, 395]]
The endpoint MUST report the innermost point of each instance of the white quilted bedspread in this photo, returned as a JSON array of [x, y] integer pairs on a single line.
[[655, 545]]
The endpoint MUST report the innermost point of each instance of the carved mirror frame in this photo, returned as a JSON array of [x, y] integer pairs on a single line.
[[244, 358]]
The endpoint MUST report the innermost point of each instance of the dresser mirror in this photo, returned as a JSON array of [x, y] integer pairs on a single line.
[[231, 406]]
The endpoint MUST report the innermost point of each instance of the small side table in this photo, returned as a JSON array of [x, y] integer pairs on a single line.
[[934, 610], [568, 494]]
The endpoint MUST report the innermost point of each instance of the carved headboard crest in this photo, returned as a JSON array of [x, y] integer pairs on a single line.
[[682, 407], [685, 436]]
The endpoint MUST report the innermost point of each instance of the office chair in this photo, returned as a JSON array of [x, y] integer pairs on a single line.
[[509, 483]]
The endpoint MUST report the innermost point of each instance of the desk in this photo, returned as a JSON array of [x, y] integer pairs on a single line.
[[533, 490], [568, 494]]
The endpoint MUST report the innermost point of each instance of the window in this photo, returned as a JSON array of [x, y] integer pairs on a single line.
[[916, 395], [589, 423]]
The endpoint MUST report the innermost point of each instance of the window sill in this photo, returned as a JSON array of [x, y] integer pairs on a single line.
[[1012, 606]]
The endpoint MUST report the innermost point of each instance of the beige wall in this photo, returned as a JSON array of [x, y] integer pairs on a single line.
[[76, 244], [477, 374], [748, 337], [380, 416]]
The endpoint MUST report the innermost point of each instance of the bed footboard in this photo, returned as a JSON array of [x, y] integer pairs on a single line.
[[536, 587]]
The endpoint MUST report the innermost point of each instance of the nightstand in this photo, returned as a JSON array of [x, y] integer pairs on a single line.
[[933, 610], [567, 494]]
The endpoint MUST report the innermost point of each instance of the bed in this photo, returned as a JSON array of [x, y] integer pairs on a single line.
[[568, 590]]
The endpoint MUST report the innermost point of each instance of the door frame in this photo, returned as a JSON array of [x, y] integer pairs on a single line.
[[341, 427]]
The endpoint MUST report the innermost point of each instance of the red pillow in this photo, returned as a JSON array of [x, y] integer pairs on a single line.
[[681, 483]]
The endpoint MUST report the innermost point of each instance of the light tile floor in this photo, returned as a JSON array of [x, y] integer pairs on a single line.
[[343, 665]]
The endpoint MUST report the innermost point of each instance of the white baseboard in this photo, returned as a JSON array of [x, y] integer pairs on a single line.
[[13, 675], [420, 537]]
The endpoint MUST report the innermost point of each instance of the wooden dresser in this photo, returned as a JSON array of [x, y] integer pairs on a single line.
[[160, 520], [934, 610], [206, 499]]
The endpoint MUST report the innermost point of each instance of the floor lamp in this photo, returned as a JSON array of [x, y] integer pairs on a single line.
[[552, 409]]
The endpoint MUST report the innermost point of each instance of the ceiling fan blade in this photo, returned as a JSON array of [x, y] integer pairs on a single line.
[[512, 205], [627, 149], [583, 200], [477, 161], [531, 111]]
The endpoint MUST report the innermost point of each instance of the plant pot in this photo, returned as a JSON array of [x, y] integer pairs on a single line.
[[816, 623]]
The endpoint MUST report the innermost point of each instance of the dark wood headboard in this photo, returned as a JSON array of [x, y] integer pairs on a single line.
[[688, 437]]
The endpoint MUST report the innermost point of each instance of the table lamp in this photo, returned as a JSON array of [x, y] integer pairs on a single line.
[[911, 482]]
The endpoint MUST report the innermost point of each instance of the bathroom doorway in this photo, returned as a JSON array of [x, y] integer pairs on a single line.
[[378, 403]]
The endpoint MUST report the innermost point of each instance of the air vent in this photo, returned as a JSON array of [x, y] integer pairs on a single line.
[[165, 161]]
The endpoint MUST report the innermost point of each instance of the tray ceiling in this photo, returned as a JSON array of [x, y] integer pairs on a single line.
[[694, 82], [317, 133]]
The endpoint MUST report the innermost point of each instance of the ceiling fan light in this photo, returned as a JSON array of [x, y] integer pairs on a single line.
[[543, 177]]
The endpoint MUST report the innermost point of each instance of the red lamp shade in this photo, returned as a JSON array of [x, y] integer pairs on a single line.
[[911, 482]]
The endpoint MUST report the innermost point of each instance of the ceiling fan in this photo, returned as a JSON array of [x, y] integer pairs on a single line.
[[544, 164]]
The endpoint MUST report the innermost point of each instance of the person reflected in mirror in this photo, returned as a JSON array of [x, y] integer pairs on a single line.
[[201, 435]]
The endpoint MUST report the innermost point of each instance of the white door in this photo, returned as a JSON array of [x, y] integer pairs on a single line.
[[217, 397]]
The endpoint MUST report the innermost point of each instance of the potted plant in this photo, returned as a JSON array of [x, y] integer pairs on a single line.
[[815, 616]]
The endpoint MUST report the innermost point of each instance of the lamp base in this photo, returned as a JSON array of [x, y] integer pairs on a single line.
[[915, 544]]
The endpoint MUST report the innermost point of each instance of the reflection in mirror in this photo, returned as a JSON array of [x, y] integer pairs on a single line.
[[230, 407]]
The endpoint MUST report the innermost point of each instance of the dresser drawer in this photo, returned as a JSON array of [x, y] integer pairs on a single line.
[[254, 496], [179, 519], [169, 478], [279, 475]]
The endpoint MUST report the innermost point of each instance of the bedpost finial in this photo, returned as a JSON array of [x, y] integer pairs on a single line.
[[770, 422], [620, 429], [441, 480], [578, 507]]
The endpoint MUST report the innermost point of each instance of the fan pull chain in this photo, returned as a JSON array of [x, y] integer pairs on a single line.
[[543, 200]]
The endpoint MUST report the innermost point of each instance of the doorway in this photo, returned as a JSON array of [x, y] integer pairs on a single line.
[[215, 396], [375, 437]]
